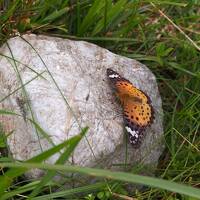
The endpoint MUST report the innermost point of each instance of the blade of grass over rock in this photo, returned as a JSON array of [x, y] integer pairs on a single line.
[[17, 61], [24, 91], [7, 112], [37, 126], [61, 93], [61, 160], [121, 176], [1, 100], [54, 81], [7, 178], [42, 132]]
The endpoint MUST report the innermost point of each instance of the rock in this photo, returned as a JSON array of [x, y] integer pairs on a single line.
[[79, 69]]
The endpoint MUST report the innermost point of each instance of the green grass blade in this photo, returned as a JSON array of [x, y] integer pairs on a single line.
[[74, 191], [91, 15], [7, 112], [42, 132], [9, 175], [177, 66], [30, 186], [63, 158], [9, 12], [173, 3], [20, 190], [56, 14], [1, 100], [36, 125], [144, 57], [121, 176], [17, 61], [24, 91], [112, 14]]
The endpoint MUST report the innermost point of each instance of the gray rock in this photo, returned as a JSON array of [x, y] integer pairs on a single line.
[[79, 69]]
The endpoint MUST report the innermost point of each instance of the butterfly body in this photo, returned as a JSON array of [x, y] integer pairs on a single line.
[[137, 108]]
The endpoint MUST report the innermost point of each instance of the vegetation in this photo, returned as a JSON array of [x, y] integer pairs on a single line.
[[164, 35]]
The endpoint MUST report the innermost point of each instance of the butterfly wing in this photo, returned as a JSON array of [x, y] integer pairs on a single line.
[[137, 116], [124, 87], [138, 112]]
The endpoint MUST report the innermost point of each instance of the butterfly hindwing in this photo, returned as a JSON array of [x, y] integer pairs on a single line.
[[138, 112], [137, 117], [135, 132]]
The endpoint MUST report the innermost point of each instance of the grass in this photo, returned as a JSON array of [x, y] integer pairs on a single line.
[[164, 35]]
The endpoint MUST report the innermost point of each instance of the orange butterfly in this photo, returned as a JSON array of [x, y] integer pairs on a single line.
[[137, 108]]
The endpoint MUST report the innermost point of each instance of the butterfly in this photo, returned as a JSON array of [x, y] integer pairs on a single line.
[[138, 112]]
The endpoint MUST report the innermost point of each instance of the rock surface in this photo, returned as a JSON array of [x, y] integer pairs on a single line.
[[79, 69]]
